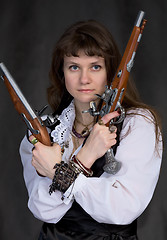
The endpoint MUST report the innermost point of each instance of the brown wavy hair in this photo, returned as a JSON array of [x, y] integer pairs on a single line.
[[94, 39]]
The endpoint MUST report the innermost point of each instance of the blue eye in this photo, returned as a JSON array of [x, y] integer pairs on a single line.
[[96, 67], [74, 67]]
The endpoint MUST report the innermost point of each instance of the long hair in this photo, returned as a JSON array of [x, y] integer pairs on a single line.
[[95, 40]]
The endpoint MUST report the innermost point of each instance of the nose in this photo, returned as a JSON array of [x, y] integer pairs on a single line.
[[85, 77]]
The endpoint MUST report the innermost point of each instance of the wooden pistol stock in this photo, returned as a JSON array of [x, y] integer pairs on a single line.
[[115, 91], [33, 122]]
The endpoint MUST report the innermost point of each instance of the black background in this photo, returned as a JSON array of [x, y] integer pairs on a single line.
[[28, 32]]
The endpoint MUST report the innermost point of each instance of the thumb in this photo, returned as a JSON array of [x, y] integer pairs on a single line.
[[106, 118]]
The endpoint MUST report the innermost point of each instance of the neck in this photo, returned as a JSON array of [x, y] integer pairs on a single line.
[[84, 118]]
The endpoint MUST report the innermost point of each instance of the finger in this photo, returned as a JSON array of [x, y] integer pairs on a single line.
[[33, 140], [113, 136], [112, 128], [32, 161], [109, 116]]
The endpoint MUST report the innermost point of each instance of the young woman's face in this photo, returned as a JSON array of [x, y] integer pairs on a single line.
[[85, 76]]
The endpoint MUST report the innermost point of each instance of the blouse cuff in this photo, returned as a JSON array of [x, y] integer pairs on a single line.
[[78, 184]]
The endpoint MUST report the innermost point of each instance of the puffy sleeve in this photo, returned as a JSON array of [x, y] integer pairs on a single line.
[[121, 198], [46, 207]]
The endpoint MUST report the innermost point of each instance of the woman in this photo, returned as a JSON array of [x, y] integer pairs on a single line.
[[76, 199]]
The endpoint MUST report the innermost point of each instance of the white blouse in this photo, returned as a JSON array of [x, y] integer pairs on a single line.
[[112, 199]]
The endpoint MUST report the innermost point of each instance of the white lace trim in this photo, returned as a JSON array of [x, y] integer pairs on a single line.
[[62, 132]]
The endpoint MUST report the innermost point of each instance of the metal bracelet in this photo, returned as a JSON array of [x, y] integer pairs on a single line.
[[64, 176]]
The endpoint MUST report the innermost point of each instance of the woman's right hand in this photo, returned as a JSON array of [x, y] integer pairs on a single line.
[[45, 157], [98, 142]]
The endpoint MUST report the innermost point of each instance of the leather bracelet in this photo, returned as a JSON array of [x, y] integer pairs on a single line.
[[65, 175], [86, 171]]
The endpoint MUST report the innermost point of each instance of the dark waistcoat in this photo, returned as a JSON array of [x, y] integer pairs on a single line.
[[78, 225]]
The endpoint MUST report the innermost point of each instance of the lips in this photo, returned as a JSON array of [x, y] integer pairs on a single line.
[[86, 90]]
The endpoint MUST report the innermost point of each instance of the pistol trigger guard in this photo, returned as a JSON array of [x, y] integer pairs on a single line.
[[121, 117], [29, 126]]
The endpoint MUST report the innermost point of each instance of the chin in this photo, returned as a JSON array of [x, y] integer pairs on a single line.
[[87, 100]]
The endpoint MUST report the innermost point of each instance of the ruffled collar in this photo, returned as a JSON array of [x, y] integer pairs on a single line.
[[62, 132]]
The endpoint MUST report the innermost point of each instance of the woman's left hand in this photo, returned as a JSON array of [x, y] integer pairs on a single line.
[[45, 157], [98, 142]]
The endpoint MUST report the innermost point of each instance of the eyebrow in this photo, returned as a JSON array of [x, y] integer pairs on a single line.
[[70, 62], [93, 63], [76, 63]]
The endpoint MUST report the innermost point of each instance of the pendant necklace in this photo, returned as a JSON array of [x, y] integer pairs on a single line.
[[85, 132]]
